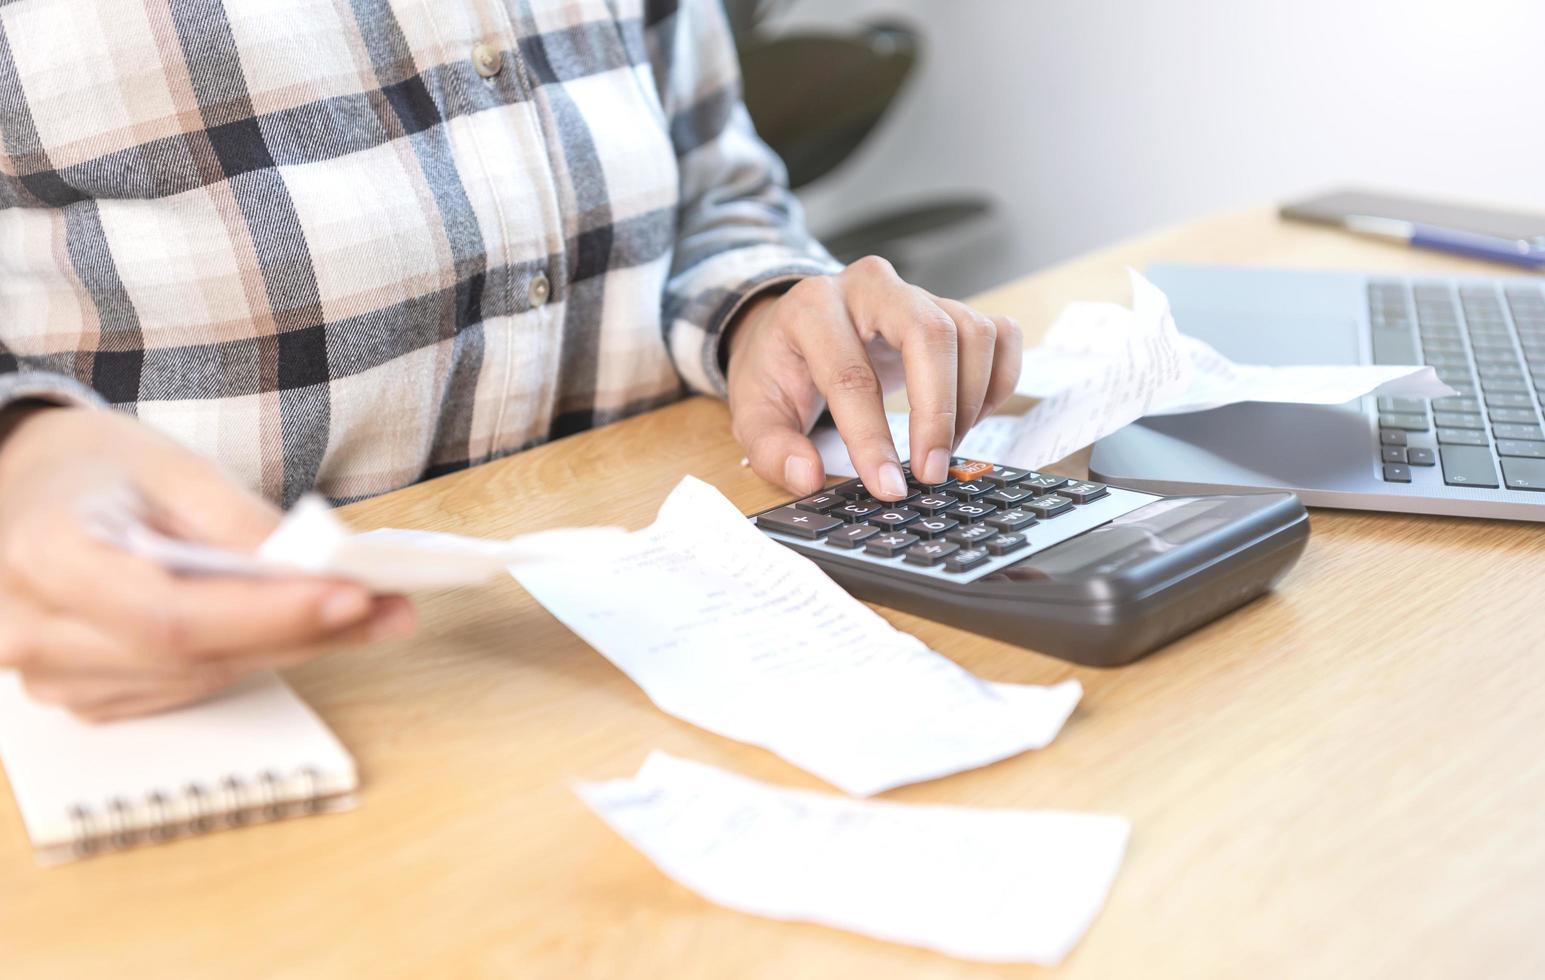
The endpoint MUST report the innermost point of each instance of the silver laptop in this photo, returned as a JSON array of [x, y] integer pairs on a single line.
[[1480, 453]]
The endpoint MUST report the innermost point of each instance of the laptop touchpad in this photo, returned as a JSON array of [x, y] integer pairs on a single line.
[[1274, 338]]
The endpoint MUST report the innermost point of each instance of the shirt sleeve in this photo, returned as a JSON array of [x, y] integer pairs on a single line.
[[19, 383], [739, 230]]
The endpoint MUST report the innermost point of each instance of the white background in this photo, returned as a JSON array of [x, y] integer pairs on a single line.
[[1093, 120]]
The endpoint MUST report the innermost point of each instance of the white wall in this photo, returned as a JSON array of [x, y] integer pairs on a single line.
[[1093, 120]]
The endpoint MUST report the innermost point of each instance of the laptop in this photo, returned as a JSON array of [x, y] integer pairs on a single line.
[[1478, 453]]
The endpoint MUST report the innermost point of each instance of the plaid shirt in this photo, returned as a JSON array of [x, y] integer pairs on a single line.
[[351, 244]]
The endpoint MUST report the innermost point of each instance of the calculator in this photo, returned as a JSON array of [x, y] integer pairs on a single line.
[[1088, 572]]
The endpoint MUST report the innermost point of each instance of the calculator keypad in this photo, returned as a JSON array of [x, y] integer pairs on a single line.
[[985, 517]]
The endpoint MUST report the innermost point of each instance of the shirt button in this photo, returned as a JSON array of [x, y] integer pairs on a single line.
[[488, 60], [539, 291]]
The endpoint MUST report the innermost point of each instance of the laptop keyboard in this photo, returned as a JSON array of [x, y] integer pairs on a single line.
[[1487, 342]]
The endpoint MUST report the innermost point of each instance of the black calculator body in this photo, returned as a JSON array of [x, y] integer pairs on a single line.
[[1095, 574]]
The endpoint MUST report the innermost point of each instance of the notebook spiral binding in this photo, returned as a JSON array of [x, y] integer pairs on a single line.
[[197, 809]]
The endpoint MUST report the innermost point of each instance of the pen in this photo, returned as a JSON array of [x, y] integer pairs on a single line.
[[1515, 251]]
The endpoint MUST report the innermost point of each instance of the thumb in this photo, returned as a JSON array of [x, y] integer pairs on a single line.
[[199, 502], [779, 450]]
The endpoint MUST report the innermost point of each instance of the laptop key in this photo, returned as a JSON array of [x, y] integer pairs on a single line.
[[1468, 466], [1392, 437], [1394, 347], [800, 523], [1459, 420], [1495, 399], [1389, 403], [1462, 437], [1394, 454], [1455, 404], [1520, 416], [1418, 456], [1409, 421], [1524, 474], [1396, 473], [1522, 448], [1514, 431]]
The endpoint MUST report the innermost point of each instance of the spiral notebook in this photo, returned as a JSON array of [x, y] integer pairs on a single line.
[[251, 754]]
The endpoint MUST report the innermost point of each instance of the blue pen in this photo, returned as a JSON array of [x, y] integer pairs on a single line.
[[1530, 254]]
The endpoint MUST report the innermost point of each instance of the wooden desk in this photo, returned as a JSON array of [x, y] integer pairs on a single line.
[[1344, 779]]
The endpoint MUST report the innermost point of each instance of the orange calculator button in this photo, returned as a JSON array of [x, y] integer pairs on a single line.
[[966, 470]]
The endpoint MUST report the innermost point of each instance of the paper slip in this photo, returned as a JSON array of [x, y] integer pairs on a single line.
[[734, 633], [312, 541], [1130, 366], [1000, 886], [1085, 336], [991, 439]]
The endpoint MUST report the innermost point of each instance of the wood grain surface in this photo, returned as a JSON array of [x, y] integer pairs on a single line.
[[1345, 778]]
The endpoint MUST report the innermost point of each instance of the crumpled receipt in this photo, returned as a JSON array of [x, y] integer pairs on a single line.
[[726, 629], [312, 541], [1000, 886]]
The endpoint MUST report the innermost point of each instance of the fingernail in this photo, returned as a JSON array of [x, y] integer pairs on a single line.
[[892, 483], [799, 475], [343, 607], [938, 466], [399, 622]]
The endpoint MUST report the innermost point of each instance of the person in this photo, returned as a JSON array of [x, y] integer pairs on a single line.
[[250, 250]]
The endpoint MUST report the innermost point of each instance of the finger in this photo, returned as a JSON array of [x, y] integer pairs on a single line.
[[142, 605], [825, 337], [393, 618], [223, 514], [976, 343], [880, 303], [769, 425], [1008, 360]]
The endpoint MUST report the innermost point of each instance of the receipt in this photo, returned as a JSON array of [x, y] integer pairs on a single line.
[[726, 629], [1086, 336], [1129, 363], [312, 541], [991, 439], [1000, 886]]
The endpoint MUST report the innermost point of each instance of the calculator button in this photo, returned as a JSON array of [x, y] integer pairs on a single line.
[[853, 490], [1048, 506], [820, 503], [851, 535], [1008, 496], [1420, 457], [931, 552], [933, 527], [925, 487], [1392, 437], [970, 491], [932, 503], [1011, 520], [1042, 482], [855, 511], [1005, 543], [968, 536], [799, 523], [1395, 473], [970, 513], [1004, 476], [894, 518], [968, 469], [1394, 454], [965, 559], [891, 543], [1082, 491]]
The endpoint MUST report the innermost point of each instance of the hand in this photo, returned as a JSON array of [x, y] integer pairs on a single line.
[[108, 635], [794, 353]]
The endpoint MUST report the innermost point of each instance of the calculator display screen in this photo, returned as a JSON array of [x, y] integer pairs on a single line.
[[1129, 542]]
